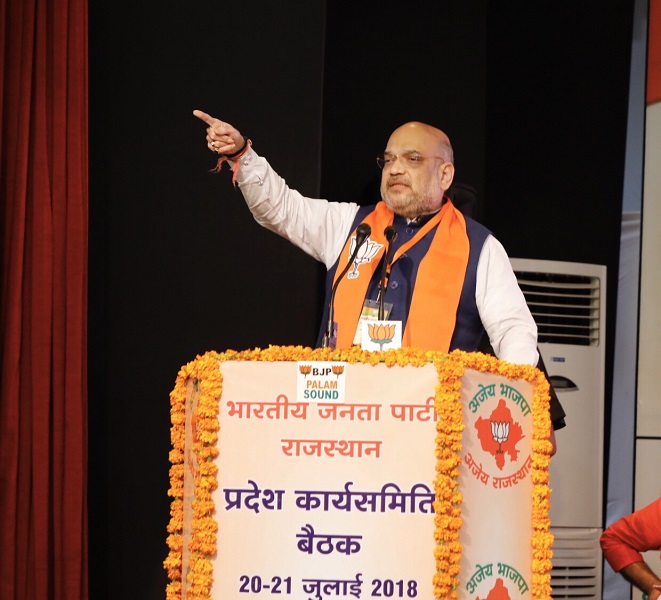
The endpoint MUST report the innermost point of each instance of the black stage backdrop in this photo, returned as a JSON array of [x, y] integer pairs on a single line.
[[533, 95]]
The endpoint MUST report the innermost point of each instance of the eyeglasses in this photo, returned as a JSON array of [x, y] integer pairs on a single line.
[[410, 159]]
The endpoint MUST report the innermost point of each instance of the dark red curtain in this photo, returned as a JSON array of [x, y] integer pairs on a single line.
[[43, 299]]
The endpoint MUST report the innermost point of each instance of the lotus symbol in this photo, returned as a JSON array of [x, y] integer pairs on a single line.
[[500, 431], [381, 334], [365, 253], [337, 370], [305, 370]]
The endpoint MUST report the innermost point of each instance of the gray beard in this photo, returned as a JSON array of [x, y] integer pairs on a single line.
[[416, 206]]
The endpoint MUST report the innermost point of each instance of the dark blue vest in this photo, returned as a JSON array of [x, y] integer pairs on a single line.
[[468, 328]]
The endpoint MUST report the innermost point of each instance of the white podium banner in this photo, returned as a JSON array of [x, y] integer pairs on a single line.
[[345, 491]]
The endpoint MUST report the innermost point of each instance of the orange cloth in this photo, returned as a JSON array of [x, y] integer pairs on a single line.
[[623, 541], [439, 281]]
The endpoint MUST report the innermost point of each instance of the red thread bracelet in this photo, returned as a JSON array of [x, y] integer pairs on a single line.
[[234, 158]]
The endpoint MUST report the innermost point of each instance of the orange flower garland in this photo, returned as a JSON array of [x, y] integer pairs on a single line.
[[448, 497], [204, 374]]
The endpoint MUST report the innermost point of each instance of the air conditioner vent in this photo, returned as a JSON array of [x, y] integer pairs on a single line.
[[576, 571], [565, 307]]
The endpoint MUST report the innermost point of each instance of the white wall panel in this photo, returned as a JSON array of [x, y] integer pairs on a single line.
[[649, 396]]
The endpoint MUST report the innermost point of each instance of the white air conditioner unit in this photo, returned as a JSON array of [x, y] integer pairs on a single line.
[[568, 302]]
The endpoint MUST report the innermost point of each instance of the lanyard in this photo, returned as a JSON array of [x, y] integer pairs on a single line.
[[422, 232]]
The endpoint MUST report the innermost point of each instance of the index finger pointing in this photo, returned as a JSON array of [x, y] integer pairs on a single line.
[[208, 119]]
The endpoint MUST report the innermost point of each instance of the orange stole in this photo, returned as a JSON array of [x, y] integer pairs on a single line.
[[438, 284]]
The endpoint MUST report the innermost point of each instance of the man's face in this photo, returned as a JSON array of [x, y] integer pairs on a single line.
[[414, 176]]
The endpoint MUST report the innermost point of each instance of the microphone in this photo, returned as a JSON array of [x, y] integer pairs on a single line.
[[362, 233], [390, 233]]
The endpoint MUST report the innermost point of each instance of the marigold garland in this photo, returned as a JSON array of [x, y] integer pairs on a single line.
[[204, 372]]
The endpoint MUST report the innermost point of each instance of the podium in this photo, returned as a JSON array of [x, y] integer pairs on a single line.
[[327, 474]]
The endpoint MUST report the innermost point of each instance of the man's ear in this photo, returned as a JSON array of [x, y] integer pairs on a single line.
[[447, 174]]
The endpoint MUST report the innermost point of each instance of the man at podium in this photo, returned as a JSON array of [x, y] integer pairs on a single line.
[[444, 276], [448, 279]]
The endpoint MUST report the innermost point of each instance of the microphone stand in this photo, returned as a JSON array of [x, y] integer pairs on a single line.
[[362, 233], [391, 233]]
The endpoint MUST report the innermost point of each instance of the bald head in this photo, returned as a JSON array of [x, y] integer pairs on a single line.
[[426, 138]]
